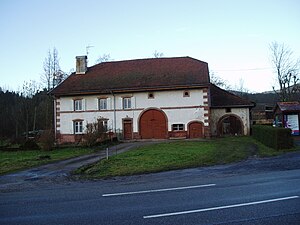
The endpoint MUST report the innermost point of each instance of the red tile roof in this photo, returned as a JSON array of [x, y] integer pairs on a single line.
[[289, 106], [220, 98], [136, 75]]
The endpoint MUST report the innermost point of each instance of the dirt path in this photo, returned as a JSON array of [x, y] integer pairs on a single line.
[[58, 172]]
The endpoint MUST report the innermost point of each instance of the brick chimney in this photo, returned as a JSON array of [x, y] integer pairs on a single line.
[[81, 64]]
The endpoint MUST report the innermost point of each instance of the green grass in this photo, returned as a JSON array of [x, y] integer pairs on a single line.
[[11, 161], [177, 155]]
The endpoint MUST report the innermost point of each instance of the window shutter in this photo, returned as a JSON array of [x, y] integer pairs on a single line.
[[83, 104], [72, 105], [132, 102], [108, 102], [120, 106]]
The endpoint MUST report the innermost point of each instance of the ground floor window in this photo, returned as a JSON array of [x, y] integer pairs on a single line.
[[102, 125], [177, 127], [78, 126]]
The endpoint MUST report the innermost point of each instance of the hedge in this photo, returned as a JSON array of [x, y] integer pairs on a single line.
[[273, 137]]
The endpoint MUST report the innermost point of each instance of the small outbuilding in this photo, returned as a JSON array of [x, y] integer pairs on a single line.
[[287, 114]]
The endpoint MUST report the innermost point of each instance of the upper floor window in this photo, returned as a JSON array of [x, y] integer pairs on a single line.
[[78, 106], [177, 127], [78, 126], [126, 103], [102, 104]]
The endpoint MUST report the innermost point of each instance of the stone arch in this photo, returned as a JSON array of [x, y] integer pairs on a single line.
[[229, 125], [153, 124]]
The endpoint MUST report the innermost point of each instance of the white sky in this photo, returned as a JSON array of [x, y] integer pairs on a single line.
[[232, 36]]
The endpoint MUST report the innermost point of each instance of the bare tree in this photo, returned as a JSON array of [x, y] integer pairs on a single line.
[[287, 71], [218, 81], [52, 75], [157, 54], [104, 58]]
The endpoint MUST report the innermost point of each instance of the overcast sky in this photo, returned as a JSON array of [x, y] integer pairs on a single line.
[[232, 36]]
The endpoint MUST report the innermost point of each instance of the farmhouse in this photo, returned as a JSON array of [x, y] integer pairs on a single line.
[[158, 98]]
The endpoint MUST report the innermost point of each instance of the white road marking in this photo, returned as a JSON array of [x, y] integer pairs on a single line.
[[220, 207], [157, 190]]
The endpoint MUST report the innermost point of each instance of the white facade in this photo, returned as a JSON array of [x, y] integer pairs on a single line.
[[179, 106], [242, 114]]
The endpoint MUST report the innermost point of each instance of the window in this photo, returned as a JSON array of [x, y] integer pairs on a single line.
[[186, 94], [102, 104], [102, 125], [177, 127], [126, 103], [228, 110], [150, 95], [78, 105], [78, 127]]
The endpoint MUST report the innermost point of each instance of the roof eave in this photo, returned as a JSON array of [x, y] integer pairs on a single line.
[[126, 90], [232, 106]]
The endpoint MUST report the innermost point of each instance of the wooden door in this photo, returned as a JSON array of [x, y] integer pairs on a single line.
[[195, 130], [127, 129]]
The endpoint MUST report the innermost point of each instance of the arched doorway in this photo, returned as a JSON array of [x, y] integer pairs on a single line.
[[230, 125], [195, 129], [153, 125]]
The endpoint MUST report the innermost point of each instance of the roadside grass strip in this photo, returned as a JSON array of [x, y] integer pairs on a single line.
[[158, 190], [220, 207]]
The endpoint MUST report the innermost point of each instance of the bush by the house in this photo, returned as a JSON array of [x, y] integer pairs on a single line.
[[273, 137], [46, 140], [30, 144], [95, 133]]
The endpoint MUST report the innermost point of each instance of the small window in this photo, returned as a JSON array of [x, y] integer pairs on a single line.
[[150, 95], [186, 94], [177, 127], [102, 104], [126, 103], [228, 110], [78, 127]]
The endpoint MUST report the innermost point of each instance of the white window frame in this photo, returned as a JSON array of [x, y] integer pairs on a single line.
[[178, 127], [126, 103], [78, 126], [78, 104], [102, 103]]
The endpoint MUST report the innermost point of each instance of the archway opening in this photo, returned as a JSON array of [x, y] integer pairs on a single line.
[[230, 125]]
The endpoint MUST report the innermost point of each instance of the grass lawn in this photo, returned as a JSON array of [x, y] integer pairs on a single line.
[[178, 155], [11, 161]]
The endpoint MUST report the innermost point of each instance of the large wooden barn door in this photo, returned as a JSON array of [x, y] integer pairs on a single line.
[[153, 125]]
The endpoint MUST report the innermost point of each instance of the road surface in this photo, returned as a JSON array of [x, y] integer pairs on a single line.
[[256, 191]]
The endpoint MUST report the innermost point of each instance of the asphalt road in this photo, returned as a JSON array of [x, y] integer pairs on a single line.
[[256, 191]]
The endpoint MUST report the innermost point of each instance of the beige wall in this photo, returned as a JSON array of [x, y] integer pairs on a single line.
[[242, 113]]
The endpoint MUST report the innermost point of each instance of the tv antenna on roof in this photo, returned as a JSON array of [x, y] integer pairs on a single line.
[[87, 48]]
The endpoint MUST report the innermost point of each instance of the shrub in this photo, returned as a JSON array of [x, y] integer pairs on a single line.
[[273, 137], [95, 133], [47, 140]]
